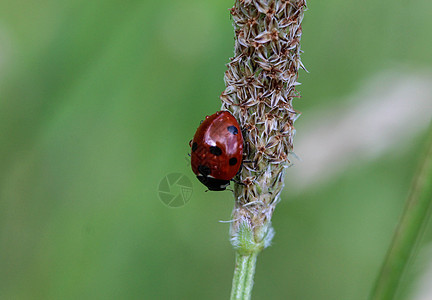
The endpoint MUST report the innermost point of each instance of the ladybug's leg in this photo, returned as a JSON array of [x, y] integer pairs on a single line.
[[253, 162], [249, 161], [243, 162], [238, 182]]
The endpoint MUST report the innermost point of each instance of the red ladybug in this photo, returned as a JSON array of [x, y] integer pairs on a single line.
[[217, 150]]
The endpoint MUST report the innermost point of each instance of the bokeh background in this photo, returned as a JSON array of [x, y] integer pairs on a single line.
[[99, 99]]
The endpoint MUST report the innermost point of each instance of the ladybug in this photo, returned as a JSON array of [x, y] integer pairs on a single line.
[[217, 150]]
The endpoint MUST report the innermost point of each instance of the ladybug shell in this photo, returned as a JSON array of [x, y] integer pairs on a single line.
[[217, 150]]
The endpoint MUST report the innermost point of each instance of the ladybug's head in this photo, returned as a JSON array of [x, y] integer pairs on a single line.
[[213, 184]]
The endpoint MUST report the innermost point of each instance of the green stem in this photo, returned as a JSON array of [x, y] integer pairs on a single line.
[[243, 276], [409, 231]]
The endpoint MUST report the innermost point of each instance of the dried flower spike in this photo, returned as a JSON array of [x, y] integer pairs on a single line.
[[260, 86]]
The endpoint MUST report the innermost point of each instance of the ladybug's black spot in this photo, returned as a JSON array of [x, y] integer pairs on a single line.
[[232, 129], [204, 170], [215, 150], [233, 161], [194, 146]]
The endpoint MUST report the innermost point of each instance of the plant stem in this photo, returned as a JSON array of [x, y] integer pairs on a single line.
[[409, 231], [243, 276]]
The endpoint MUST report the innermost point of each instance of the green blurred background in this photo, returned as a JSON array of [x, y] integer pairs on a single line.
[[98, 101]]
